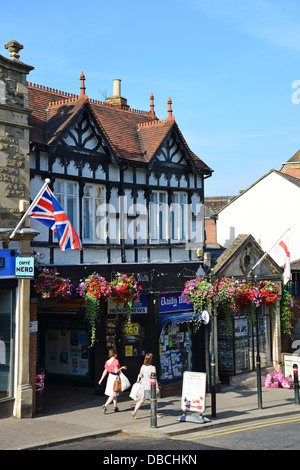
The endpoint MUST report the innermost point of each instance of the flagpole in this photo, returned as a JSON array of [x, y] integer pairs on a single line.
[[267, 252], [47, 181]]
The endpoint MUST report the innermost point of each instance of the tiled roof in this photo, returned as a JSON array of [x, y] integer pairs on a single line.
[[133, 135]]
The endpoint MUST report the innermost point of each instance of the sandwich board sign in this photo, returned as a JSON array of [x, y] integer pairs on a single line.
[[193, 397]]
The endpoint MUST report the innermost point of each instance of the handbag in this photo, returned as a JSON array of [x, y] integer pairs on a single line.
[[124, 381], [117, 386], [134, 392]]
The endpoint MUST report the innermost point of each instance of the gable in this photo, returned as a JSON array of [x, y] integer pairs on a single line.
[[80, 133], [172, 153], [83, 135], [241, 255]]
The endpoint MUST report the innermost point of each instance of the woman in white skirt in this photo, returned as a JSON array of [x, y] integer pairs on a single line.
[[112, 368], [145, 385]]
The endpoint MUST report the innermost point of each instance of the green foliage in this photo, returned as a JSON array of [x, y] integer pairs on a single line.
[[286, 315], [92, 313]]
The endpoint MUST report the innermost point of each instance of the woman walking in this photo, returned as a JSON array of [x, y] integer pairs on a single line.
[[145, 387], [112, 368]]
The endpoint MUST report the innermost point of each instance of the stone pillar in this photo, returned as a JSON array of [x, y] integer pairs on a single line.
[[23, 404], [276, 353], [15, 186]]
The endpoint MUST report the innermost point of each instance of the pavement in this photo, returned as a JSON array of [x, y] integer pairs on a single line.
[[69, 414]]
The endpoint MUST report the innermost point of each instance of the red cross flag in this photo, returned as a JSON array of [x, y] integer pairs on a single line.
[[281, 254]]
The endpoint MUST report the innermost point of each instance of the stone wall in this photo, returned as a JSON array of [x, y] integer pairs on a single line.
[[14, 136]]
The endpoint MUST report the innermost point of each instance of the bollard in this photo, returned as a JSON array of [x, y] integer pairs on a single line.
[[296, 383], [153, 401]]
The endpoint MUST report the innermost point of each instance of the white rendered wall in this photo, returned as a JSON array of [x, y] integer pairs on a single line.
[[265, 211]]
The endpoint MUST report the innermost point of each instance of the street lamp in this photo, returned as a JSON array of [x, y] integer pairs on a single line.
[[258, 364], [212, 358]]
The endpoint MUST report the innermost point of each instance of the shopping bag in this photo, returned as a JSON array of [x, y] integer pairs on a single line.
[[117, 386], [135, 390], [124, 381]]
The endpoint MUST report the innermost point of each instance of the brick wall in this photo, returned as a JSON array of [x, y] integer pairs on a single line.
[[210, 229]]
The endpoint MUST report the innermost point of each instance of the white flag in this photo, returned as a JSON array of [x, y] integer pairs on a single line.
[[281, 254]]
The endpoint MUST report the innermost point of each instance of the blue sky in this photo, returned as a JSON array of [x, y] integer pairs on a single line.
[[228, 65]]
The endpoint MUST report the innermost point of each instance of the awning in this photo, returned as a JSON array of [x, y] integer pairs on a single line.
[[180, 317]]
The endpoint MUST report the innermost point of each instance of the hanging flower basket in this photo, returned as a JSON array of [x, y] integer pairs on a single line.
[[226, 290], [234, 296], [124, 289], [92, 289], [200, 293], [268, 292], [51, 285]]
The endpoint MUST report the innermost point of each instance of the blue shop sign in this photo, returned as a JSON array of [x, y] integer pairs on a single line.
[[7, 263], [173, 303], [25, 267]]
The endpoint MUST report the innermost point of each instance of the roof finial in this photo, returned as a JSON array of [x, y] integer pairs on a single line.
[[82, 86], [14, 48], [170, 117], [152, 104]]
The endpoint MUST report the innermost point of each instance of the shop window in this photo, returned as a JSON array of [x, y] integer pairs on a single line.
[[67, 353], [6, 344], [175, 348], [237, 345], [132, 336]]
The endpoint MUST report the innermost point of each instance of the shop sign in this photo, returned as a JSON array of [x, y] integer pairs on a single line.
[[193, 392], [173, 303], [139, 306], [132, 329], [25, 267], [288, 364], [7, 263], [63, 306]]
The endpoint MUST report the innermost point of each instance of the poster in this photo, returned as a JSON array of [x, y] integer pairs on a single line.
[[288, 364], [193, 392], [66, 352]]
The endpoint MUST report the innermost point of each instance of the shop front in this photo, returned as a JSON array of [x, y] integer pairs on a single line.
[[7, 321], [64, 351], [237, 336], [237, 347], [133, 339], [181, 343]]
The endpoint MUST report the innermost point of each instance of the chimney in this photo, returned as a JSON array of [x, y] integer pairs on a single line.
[[116, 98], [117, 88]]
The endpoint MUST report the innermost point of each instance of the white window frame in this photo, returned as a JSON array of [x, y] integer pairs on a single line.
[[69, 201], [179, 217], [158, 217], [97, 214]]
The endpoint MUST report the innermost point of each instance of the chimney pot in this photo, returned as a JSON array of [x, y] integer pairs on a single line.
[[117, 87]]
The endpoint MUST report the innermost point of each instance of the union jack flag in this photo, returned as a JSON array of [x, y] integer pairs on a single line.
[[49, 212]]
